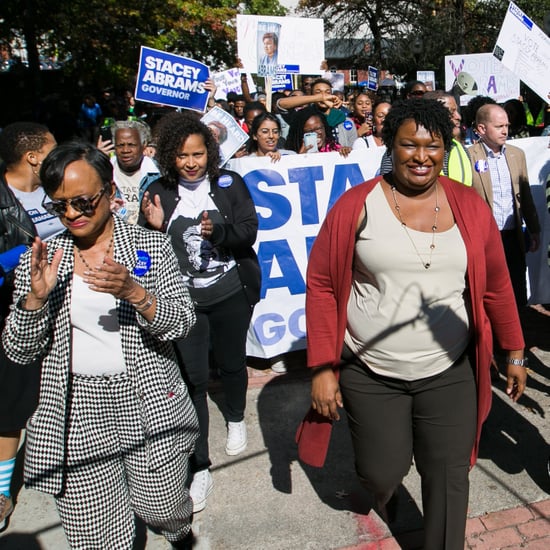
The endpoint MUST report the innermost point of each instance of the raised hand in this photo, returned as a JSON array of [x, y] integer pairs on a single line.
[[43, 274], [152, 210], [207, 227]]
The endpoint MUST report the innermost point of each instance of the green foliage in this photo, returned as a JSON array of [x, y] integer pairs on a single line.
[[100, 39]]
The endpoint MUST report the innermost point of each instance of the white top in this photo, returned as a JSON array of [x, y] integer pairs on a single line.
[[96, 344], [128, 185], [361, 144], [47, 225], [405, 321]]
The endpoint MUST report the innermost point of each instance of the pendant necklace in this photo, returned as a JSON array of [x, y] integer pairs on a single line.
[[106, 253], [425, 264]]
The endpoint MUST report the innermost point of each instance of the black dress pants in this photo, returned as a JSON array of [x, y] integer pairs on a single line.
[[431, 419]]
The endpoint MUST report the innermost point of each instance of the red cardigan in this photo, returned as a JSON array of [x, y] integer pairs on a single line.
[[329, 280]]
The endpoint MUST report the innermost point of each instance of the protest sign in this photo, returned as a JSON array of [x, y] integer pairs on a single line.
[[227, 81], [265, 43], [292, 198], [229, 135], [468, 75], [428, 77], [372, 82], [168, 79], [524, 48]]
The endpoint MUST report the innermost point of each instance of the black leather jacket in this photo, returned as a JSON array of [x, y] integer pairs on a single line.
[[16, 228]]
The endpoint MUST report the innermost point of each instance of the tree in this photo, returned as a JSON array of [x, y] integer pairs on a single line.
[[99, 40], [417, 34]]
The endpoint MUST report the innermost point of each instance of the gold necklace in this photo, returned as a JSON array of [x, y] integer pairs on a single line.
[[425, 264], [106, 253]]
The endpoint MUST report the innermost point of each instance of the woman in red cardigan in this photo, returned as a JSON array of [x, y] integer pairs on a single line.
[[406, 285]]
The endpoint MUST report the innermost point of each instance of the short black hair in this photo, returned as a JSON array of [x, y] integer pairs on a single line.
[[52, 171], [172, 132], [429, 113], [19, 138]]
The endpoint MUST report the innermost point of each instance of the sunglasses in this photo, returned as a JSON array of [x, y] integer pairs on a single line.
[[418, 93], [83, 205]]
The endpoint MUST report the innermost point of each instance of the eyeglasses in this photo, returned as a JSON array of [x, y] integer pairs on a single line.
[[419, 93], [268, 131], [83, 205]]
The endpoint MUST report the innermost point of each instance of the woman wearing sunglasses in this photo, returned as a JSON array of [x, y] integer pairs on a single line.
[[100, 304]]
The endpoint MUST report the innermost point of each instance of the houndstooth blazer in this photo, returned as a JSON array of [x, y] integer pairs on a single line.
[[168, 417]]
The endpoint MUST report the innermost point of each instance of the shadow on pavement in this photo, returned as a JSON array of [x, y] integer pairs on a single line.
[[282, 403]]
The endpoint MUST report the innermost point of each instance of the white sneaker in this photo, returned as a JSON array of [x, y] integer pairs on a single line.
[[236, 438], [278, 366], [201, 487]]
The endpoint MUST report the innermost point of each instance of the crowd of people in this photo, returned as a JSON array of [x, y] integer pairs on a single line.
[[133, 274]]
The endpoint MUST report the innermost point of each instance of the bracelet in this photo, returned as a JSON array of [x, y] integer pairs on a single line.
[[147, 304], [142, 301], [518, 362]]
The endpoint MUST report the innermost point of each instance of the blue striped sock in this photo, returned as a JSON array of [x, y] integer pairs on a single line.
[[6, 471]]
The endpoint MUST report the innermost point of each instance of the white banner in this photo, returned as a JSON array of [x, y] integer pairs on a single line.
[[292, 198], [525, 49]]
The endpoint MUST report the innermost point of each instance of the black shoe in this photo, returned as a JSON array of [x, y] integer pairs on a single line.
[[186, 543]]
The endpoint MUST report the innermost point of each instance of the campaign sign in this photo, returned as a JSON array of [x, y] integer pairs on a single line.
[[173, 80], [373, 78]]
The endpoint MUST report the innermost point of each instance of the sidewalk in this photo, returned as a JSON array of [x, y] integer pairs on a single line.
[[264, 499]]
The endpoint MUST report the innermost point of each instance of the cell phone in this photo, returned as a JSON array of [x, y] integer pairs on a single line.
[[310, 138], [105, 133]]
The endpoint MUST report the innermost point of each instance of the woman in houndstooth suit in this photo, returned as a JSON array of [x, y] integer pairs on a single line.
[[100, 304]]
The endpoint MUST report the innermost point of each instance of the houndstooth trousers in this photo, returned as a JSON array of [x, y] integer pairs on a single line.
[[107, 481]]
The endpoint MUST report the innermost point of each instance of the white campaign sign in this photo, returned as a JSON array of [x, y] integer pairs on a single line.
[[292, 198], [525, 49], [490, 77]]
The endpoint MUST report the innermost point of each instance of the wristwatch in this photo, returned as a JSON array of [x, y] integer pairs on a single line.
[[517, 362]]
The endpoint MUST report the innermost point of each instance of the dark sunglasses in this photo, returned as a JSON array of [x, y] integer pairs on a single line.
[[83, 205], [417, 93]]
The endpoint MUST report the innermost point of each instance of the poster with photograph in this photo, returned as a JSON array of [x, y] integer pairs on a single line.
[[428, 77], [229, 135], [268, 45]]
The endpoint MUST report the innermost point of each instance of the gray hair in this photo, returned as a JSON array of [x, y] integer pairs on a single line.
[[145, 134]]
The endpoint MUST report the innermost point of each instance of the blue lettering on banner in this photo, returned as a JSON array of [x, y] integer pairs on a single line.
[[271, 328], [344, 174], [306, 178], [291, 277], [280, 206]]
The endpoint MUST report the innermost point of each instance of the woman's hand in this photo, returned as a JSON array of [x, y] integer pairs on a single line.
[[325, 393], [207, 227], [364, 130], [345, 151], [516, 379], [152, 210], [43, 274], [105, 146], [275, 156], [113, 278]]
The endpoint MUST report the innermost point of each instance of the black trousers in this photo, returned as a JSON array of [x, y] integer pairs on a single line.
[[432, 420], [515, 260], [221, 329]]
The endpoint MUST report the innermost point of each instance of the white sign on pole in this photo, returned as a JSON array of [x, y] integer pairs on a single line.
[[266, 42], [525, 49]]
